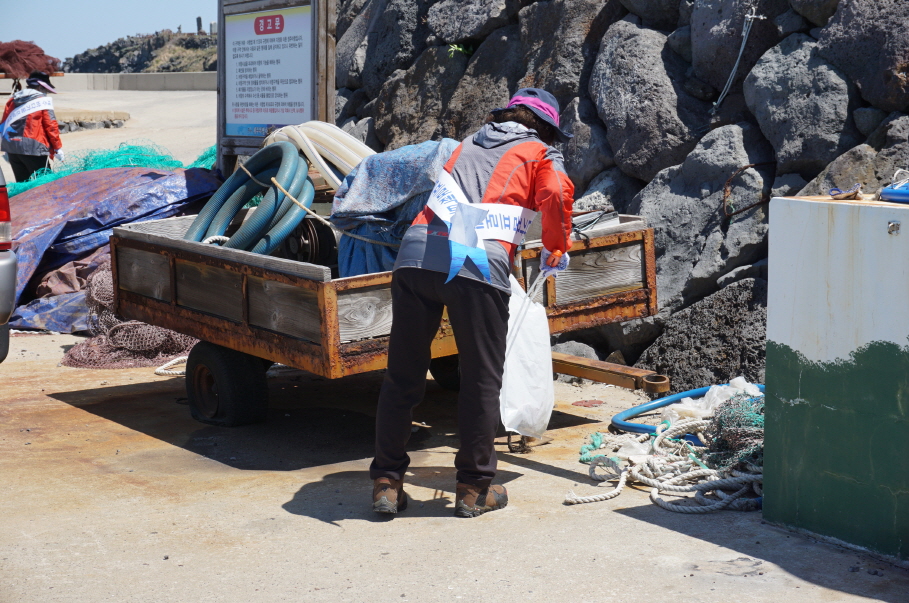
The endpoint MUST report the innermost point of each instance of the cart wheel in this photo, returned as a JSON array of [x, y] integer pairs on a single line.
[[225, 387], [447, 372]]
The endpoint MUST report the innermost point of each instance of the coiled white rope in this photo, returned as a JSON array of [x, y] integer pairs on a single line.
[[164, 371], [668, 469]]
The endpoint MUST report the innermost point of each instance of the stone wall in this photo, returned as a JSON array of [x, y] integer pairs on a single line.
[[819, 100]]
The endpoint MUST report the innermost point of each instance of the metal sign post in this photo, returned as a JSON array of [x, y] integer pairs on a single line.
[[276, 67]]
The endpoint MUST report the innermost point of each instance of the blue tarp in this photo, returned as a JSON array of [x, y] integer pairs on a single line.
[[70, 218], [380, 199]]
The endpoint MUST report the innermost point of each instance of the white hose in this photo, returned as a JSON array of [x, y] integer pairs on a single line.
[[324, 143]]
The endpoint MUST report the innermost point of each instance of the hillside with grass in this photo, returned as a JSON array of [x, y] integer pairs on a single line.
[[163, 51]]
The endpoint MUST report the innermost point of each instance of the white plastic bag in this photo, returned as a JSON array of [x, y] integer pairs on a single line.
[[527, 395], [704, 408]]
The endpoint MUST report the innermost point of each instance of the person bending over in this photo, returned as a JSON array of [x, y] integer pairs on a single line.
[[458, 254]]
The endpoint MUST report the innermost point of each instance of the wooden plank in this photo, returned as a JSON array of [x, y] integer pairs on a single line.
[[364, 313], [155, 233], [607, 372], [600, 272], [208, 289], [284, 309], [143, 272]]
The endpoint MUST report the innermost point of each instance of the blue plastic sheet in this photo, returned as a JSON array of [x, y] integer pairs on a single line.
[[380, 198], [70, 218], [67, 313]]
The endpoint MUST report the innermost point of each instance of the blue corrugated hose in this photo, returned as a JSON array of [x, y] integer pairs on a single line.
[[275, 217], [620, 421]]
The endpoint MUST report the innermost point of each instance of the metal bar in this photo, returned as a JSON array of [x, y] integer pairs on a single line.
[[604, 241], [550, 300], [244, 294], [361, 281], [650, 271], [607, 372]]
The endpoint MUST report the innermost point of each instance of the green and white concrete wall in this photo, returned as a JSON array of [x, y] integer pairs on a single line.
[[836, 458]]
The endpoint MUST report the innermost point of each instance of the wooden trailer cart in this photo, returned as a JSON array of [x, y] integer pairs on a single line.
[[248, 309]]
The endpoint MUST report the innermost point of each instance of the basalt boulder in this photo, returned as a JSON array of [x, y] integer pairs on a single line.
[[804, 106], [872, 164], [869, 41], [560, 40], [715, 340], [588, 153], [400, 33], [611, 188], [352, 46], [716, 37], [490, 78], [658, 14], [816, 11], [637, 85], [695, 242], [409, 106], [456, 21]]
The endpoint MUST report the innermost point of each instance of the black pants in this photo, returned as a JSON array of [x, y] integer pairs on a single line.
[[26, 165], [479, 319]]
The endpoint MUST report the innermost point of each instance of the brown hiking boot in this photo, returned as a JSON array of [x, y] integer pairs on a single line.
[[388, 495], [472, 501]]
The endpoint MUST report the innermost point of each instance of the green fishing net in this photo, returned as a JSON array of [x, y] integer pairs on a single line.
[[737, 433], [134, 153]]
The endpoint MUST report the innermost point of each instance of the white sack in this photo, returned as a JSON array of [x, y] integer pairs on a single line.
[[527, 395]]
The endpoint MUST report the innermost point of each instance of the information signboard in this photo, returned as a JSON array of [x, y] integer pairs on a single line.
[[268, 70], [276, 67]]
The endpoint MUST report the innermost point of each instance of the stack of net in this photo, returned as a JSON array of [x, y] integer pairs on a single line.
[[134, 153], [737, 434], [116, 343], [19, 58]]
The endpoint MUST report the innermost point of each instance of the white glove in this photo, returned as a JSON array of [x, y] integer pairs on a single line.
[[552, 270], [58, 155]]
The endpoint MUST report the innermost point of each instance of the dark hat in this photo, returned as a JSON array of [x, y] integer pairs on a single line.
[[40, 79], [544, 106]]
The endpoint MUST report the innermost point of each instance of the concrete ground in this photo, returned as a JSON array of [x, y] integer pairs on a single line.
[[181, 122], [112, 492]]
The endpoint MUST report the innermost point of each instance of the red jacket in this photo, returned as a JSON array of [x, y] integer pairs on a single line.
[[502, 163], [35, 134]]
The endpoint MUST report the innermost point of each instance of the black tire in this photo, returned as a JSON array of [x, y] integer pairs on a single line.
[[447, 372], [225, 387]]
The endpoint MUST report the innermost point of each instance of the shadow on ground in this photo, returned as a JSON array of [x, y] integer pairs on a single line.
[[312, 421], [826, 565], [351, 490]]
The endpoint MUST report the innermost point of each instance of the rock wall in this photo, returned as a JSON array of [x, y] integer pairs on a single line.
[[820, 99]]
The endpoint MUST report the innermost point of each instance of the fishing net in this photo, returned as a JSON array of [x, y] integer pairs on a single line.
[[133, 153], [19, 58], [116, 343], [737, 434]]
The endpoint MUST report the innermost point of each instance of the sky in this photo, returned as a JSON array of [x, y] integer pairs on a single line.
[[64, 28]]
